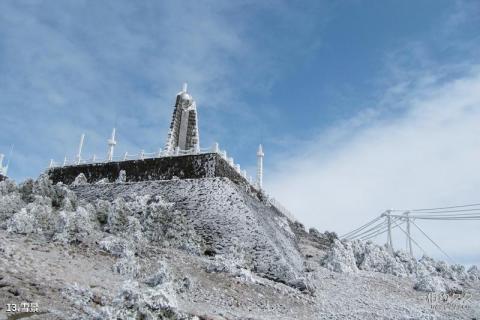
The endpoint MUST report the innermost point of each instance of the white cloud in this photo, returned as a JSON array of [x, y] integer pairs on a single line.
[[425, 153], [78, 67]]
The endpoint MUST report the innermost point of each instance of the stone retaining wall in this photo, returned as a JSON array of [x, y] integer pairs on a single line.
[[206, 165]]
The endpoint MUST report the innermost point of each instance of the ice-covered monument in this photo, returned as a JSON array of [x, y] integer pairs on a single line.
[[183, 134], [180, 158]]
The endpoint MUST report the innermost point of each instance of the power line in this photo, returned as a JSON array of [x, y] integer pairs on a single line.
[[439, 208], [459, 216], [450, 211], [368, 231], [360, 228], [475, 217], [376, 233], [438, 247], [413, 241], [368, 237]]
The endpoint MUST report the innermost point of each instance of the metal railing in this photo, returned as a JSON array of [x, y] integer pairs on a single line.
[[281, 208]]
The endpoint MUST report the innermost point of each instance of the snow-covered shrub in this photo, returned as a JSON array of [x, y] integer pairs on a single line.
[[378, 259], [80, 180], [340, 257], [102, 181], [473, 273], [144, 219], [102, 208], [245, 275], [75, 226], [159, 277], [430, 275], [221, 263], [408, 262], [127, 265], [22, 222], [427, 282], [115, 246], [118, 216], [284, 225], [122, 177], [151, 303], [459, 272], [9, 204], [43, 187], [131, 302], [7, 187], [163, 225]]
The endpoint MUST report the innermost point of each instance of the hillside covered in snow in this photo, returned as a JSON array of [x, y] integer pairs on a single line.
[[202, 249]]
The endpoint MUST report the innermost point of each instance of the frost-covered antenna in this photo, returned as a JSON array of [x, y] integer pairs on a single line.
[[80, 147], [111, 146], [2, 169], [184, 87], [260, 156]]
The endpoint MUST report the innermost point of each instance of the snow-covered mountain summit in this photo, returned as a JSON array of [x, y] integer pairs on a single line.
[[202, 248]]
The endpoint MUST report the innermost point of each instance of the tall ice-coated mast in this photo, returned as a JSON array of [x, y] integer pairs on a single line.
[[80, 147], [183, 134], [260, 156], [111, 146]]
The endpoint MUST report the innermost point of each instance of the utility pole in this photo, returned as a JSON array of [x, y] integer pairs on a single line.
[[409, 237], [80, 147], [389, 236]]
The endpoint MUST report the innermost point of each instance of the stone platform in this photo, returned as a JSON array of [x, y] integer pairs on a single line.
[[207, 165]]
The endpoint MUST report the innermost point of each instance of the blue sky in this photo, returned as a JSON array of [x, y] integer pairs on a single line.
[[332, 86]]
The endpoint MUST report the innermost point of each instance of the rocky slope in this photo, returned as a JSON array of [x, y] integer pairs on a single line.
[[201, 249]]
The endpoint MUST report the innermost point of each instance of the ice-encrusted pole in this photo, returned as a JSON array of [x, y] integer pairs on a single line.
[[111, 146], [389, 236], [409, 237], [80, 147], [260, 156]]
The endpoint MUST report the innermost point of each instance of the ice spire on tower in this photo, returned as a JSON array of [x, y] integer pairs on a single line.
[[260, 156], [183, 134]]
